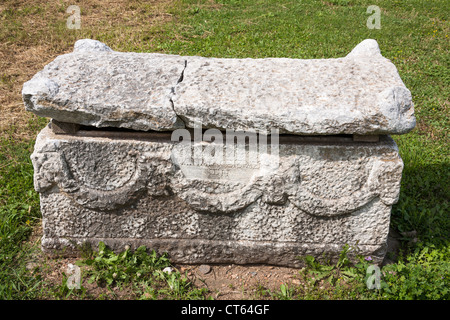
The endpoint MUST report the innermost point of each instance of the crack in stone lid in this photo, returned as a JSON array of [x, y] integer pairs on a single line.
[[94, 85]]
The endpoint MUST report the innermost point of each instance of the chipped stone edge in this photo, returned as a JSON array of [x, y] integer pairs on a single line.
[[399, 97]]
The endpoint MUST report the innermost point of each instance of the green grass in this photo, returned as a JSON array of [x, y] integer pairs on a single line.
[[145, 271], [19, 211], [415, 35]]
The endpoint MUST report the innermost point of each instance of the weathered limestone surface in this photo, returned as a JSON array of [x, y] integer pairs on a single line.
[[204, 201], [97, 86], [361, 93], [252, 209]]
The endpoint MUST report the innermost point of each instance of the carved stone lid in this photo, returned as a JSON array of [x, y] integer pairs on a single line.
[[361, 93]]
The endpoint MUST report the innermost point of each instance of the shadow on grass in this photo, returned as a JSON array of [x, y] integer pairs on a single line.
[[423, 204]]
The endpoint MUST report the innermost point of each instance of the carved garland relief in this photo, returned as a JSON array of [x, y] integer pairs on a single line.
[[315, 179]]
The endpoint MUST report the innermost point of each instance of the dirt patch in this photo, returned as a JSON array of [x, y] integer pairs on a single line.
[[224, 282], [238, 282]]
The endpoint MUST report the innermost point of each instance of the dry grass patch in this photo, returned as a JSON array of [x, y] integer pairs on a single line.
[[33, 33]]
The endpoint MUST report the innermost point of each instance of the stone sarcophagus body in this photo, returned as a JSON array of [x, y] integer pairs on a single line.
[[219, 160]]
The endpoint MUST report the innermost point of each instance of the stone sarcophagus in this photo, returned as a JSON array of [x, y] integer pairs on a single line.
[[219, 160]]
